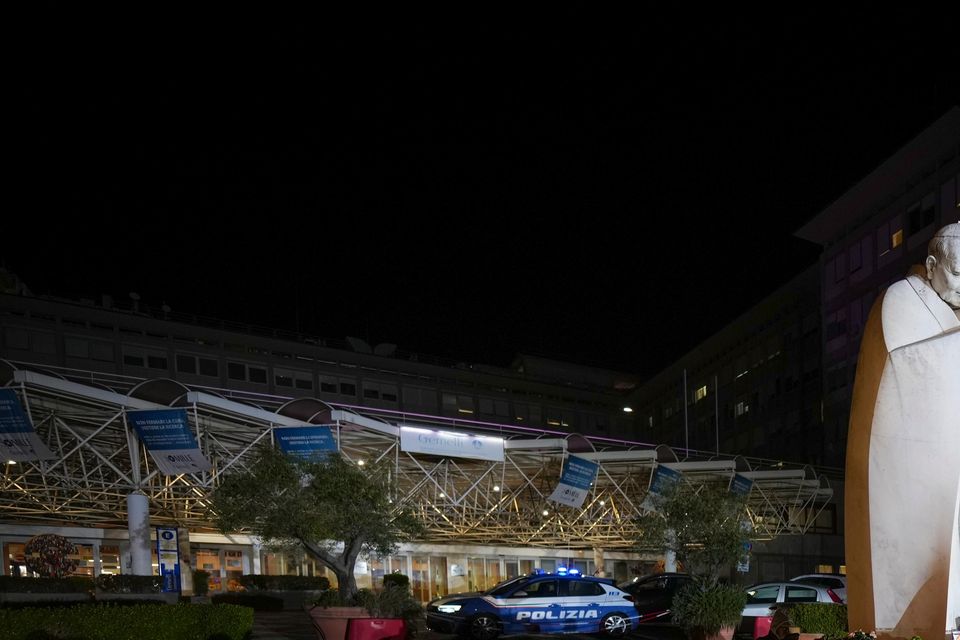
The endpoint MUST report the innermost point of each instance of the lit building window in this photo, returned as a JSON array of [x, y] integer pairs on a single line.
[[896, 239], [700, 393]]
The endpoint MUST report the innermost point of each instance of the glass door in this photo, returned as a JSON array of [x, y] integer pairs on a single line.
[[420, 578]]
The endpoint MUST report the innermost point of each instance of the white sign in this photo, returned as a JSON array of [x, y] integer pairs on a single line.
[[451, 444], [578, 474]]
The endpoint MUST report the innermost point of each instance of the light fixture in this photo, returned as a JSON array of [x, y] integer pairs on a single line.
[[360, 463], [545, 512], [628, 409], [443, 495], [602, 502], [11, 462], [496, 488]]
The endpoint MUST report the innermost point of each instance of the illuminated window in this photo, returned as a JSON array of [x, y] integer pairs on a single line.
[[896, 239], [742, 408], [700, 393]]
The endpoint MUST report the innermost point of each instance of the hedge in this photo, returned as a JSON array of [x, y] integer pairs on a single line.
[[820, 617], [254, 600], [284, 583], [109, 622], [73, 584]]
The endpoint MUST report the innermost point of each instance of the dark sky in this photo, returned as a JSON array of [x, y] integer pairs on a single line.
[[608, 189]]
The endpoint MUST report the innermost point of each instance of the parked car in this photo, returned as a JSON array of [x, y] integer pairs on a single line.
[[763, 597], [653, 595], [836, 582]]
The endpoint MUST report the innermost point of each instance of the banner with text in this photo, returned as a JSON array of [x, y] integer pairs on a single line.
[[167, 436], [578, 474], [660, 483], [741, 485], [18, 440], [315, 441], [451, 444]]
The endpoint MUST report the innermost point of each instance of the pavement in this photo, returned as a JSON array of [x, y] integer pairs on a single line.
[[296, 625]]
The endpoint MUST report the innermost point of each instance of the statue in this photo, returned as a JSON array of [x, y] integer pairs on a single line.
[[902, 525]]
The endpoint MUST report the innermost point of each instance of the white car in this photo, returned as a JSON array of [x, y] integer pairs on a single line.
[[768, 594], [835, 582]]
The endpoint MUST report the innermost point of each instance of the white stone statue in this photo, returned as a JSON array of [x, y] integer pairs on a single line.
[[902, 525]]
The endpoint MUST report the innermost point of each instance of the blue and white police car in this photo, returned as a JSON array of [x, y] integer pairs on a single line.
[[562, 602]]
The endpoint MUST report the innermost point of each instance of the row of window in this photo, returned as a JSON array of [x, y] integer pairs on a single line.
[[886, 241], [141, 360]]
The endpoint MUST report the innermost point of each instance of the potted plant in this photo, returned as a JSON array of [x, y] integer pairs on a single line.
[[389, 613], [703, 526]]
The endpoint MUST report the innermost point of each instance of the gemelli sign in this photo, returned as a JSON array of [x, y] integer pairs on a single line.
[[451, 444]]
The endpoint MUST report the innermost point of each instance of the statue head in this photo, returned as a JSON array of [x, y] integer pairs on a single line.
[[943, 264]]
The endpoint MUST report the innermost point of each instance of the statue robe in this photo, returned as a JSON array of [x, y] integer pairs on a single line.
[[903, 468]]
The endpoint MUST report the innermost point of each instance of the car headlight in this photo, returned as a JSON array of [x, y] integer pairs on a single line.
[[449, 608]]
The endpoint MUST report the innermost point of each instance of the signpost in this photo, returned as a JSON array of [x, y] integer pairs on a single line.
[[168, 555]]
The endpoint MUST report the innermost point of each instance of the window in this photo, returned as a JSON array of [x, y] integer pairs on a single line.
[[800, 594], [16, 338], [209, 367], [76, 347], [186, 364], [700, 393], [457, 404], [585, 588], [764, 595], [328, 385], [44, 343], [102, 351], [257, 375], [143, 357], [236, 371], [348, 389], [742, 408], [921, 214], [896, 239]]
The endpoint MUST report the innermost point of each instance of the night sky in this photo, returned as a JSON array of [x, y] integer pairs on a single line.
[[608, 189]]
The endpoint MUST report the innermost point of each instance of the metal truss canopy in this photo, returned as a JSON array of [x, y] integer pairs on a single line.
[[461, 500]]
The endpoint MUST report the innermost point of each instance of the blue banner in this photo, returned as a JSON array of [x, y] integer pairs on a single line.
[[17, 439], [167, 436], [741, 485], [305, 442], [661, 481], [575, 481]]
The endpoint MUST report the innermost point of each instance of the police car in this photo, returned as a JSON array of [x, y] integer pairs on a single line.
[[562, 602]]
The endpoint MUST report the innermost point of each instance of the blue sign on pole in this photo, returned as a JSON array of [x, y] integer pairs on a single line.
[[18, 441], [168, 557], [578, 474], [167, 436], [305, 442]]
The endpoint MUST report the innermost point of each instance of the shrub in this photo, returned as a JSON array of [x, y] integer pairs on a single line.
[[256, 601], [284, 583], [111, 622], [331, 598], [709, 606], [820, 617], [200, 582], [129, 583], [72, 584]]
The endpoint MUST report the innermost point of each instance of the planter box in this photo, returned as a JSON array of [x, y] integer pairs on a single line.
[[330, 623]]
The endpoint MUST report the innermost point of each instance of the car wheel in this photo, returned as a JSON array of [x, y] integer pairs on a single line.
[[484, 627], [614, 625]]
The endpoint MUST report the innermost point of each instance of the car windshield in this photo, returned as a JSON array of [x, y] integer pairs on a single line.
[[505, 587]]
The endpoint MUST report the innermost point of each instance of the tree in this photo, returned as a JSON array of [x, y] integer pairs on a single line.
[[703, 526], [335, 509]]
